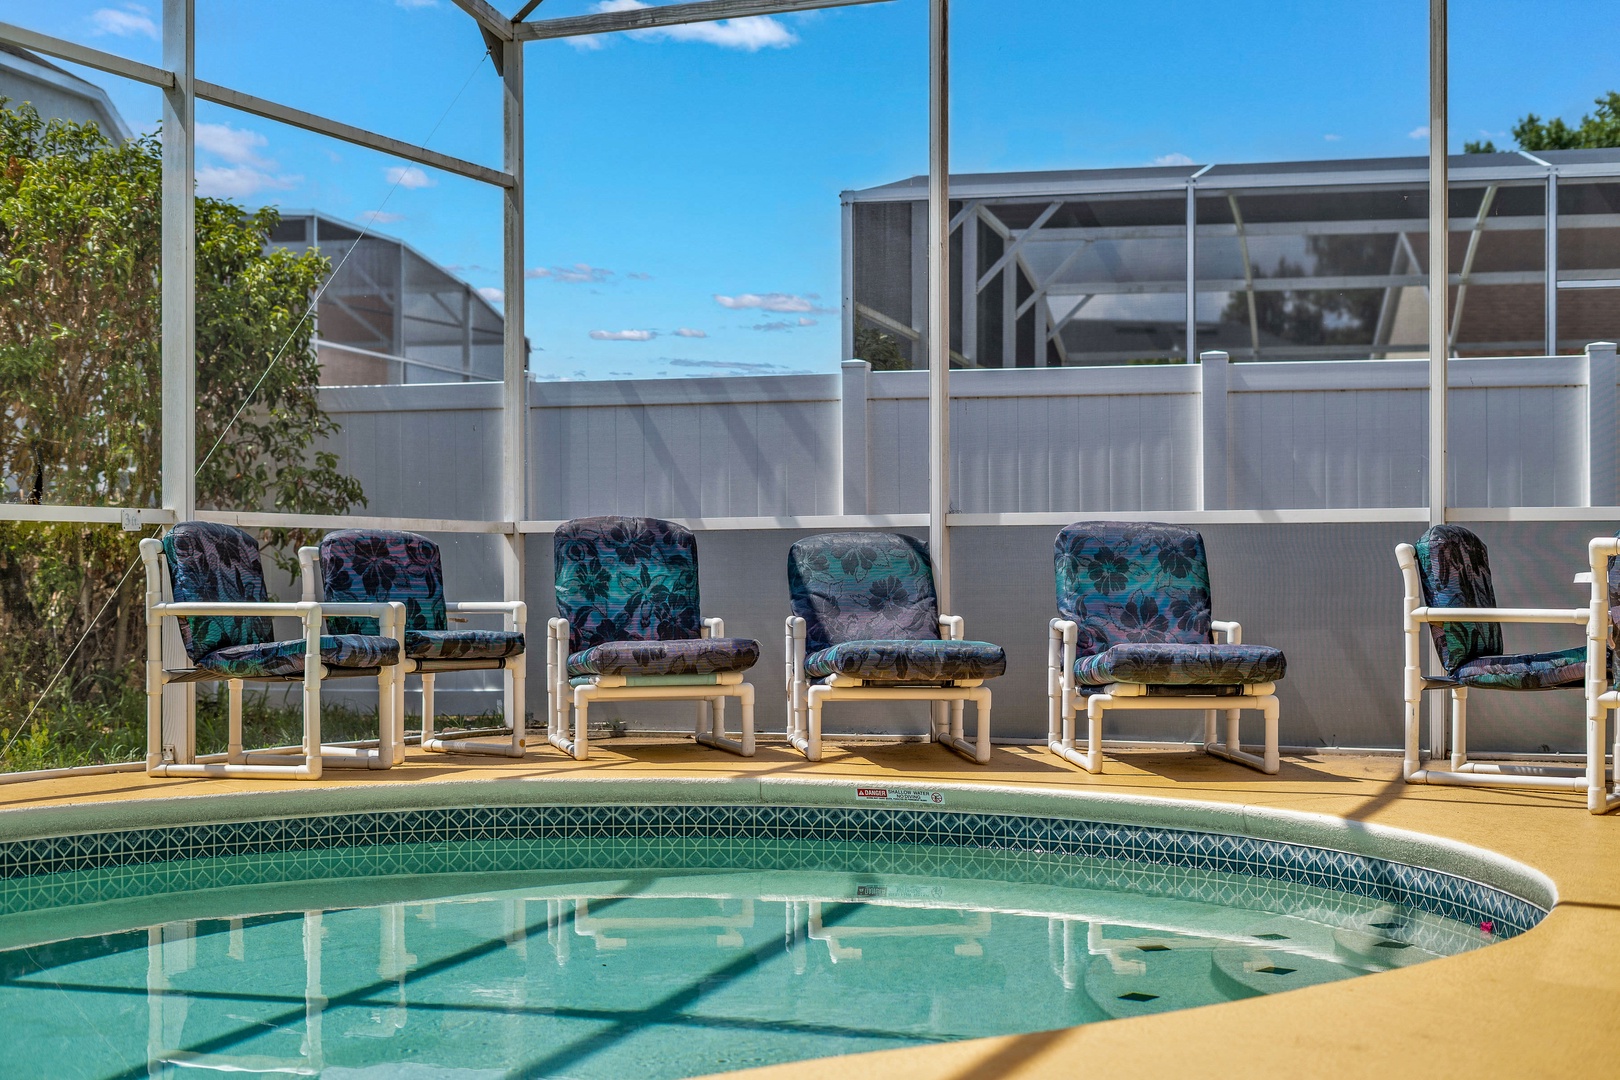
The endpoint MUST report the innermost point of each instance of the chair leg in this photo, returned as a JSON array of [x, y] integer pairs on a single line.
[[746, 698], [812, 745], [1210, 729], [582, 723], [517, 716], [1092, 760], [1234, 740], [981, 719], [427, 707], [233, 745], [1459, 728]]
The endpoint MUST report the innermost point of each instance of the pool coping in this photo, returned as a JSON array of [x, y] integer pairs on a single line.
[[1324, 831]]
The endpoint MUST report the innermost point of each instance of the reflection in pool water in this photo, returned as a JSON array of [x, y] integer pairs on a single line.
[[641, 972]]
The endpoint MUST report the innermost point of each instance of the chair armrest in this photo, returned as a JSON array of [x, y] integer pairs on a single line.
[[713, 628], [1501, 615], [309, 571], [1232, 631], [795, 629], [297, 610], [516, 611], [1062, 635], [952, 627]]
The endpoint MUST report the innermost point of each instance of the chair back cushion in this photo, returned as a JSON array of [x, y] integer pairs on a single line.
[[1133, 582], [627, 579], [1455, 572], [863, 586], [377, 565], [212, 563]]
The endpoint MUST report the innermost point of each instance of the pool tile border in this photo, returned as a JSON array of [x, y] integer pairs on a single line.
[[1432, 891]]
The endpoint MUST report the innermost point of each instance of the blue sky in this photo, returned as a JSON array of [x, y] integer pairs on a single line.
[[683, 187]]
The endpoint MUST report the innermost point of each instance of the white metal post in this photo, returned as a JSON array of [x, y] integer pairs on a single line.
[[515, 392], [178, 301], [1439, 292], [1552, 262], [939, 307]]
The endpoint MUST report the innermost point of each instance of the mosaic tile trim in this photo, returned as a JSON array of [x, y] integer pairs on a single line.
[[1131, 849]]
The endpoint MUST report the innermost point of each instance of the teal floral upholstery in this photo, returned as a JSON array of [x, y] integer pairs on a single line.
[[1525, 671], [626, 579], [376, 565], [372, 566], [1139, 594], [1175, 664], [212, 563], [862, 586], [462, 644], [692, 656], [1454, 572], [278, 659], [629, 590], [909, 661]]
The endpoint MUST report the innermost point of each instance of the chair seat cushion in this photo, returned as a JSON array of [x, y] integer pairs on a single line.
[[906, 660], [1166, 664], [1525, 671], [462, 644], [275, 658], [692, 656]]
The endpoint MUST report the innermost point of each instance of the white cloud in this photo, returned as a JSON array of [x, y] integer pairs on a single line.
[[240, 181], [578, 274], [687, 331], [780, 324], [131, 21], [492, 294], [637, 275], [737, 366], [411, 5], [623, 335], [807, 322], [1419, 132], [236, 145], [1172, 159], [380, 217], [750, 34], [408, 176], [1333, 138], [776, 302]]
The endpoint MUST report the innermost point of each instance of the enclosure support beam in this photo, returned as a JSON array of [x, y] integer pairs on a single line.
[[647, 18], [1439, 268], [515, 392], [178, 303], [939, 297], [1439, 324]]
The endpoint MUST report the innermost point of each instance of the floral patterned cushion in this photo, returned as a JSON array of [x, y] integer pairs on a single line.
[[1174, 664], [212, 563], [1525, 671], [862, 586], [693, 656], [627, 579], [1125, 582], [462, 644], [276, 658], [1455, 572], [375, 565], [908, 660]]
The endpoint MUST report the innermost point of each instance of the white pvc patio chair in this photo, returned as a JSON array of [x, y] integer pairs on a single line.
[[208, 576]]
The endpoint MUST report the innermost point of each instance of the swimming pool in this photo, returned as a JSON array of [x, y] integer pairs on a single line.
[[667, 940]]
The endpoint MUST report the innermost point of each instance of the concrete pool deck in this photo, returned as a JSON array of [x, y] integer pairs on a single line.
[[1540, 1004]]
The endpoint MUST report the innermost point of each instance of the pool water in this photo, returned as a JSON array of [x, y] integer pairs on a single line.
[[650, 958]]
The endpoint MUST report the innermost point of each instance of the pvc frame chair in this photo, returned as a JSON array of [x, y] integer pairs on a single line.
[[805, 699], [515, 668], [1064, 701], [310, 758], [708, 730], [1063, 690], [709, 691], [1602, 796]]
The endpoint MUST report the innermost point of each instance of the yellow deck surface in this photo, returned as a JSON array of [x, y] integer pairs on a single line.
[[1543, 1004]]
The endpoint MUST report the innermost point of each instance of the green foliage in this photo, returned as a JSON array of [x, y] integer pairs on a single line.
[[81, 397], [1596, 130], [880, 350]]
